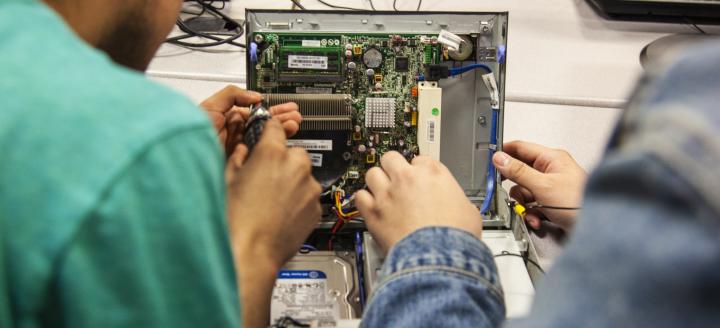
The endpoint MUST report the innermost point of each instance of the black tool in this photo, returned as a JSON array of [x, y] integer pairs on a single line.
[[259, 114]]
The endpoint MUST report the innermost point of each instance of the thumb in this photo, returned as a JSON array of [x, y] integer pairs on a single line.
[[517, 171], [235, 161]]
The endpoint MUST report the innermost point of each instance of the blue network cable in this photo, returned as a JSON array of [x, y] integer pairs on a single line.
[[491, 167], [460, 70], [359, 258]]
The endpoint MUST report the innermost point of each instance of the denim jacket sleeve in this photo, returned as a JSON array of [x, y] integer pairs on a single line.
[[646, 250], [437, 277]]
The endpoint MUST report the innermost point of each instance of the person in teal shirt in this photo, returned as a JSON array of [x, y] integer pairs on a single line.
[[117, 205]]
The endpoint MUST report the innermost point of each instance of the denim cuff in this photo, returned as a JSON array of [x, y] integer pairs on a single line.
[[442, 249]]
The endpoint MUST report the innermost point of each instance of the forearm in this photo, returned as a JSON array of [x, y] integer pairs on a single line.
[[256, 279], [437, 277]]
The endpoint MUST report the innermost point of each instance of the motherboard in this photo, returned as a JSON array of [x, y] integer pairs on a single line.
[[358, 94]]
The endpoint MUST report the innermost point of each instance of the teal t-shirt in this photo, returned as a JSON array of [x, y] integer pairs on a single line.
[[112, 203]]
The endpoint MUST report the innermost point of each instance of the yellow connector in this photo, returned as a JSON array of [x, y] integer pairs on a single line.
[[370, 158], [520, 210], [414, 118], [358, 50], [378, 78]]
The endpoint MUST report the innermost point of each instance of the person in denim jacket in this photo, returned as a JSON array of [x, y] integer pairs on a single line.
[[644, 251]]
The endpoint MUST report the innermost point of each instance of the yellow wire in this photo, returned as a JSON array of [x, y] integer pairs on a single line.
[[340, 209]]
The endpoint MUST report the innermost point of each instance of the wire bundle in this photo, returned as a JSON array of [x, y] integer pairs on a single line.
[[343, 217], [207, 6]]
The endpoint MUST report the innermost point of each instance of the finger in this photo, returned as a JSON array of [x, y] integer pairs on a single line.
[[365, 203], [291, 128], [289, 116], [524, 151], [272, 133], [394, 164], [421, 160], [235, 161], [284, 108], [378, 182], [236, 115], [244, 112], [239, 155], [533, 220], [517, 171], [230, 96], [521, 194]]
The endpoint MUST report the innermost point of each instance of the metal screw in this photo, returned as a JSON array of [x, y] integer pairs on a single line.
[[259, 38]]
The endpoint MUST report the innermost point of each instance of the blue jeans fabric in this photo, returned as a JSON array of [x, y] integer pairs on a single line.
[[645, 251]]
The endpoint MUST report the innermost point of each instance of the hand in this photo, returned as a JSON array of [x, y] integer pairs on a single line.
[[547, 176], [228, 113], [273, 200], [407, 197], [273, 205]]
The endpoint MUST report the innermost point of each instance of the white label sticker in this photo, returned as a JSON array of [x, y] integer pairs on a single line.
[[310, 43], [431, 130], [316, 159], [303, 295], [307, 62], [311, 144]]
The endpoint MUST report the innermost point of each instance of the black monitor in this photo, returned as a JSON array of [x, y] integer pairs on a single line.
[[697, 11]]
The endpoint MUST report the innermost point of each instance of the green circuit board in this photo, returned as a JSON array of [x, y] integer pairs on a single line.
[[378, 71]]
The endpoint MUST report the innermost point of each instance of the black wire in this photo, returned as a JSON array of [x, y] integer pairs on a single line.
[[336, 6], [689, 21], [297, 3], [372, 5], [286, 321], [189, 32], [506, 253], [554, 207], [395, 5]]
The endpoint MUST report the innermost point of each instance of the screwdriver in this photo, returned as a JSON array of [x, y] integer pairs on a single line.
[[259, 114]]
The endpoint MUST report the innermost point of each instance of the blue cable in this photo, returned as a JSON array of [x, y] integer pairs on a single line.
[[359, 261], [460, 70], [308, 247], [491, 167]]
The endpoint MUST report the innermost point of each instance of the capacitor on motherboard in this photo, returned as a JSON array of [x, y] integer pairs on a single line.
[[401, 143], [377, 138], [351, 66], [362, 148], [348, 54], [373, 151], [378, 86], [370, 75], [348, 46], [370, 143], [357, 128], [407, 124]]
